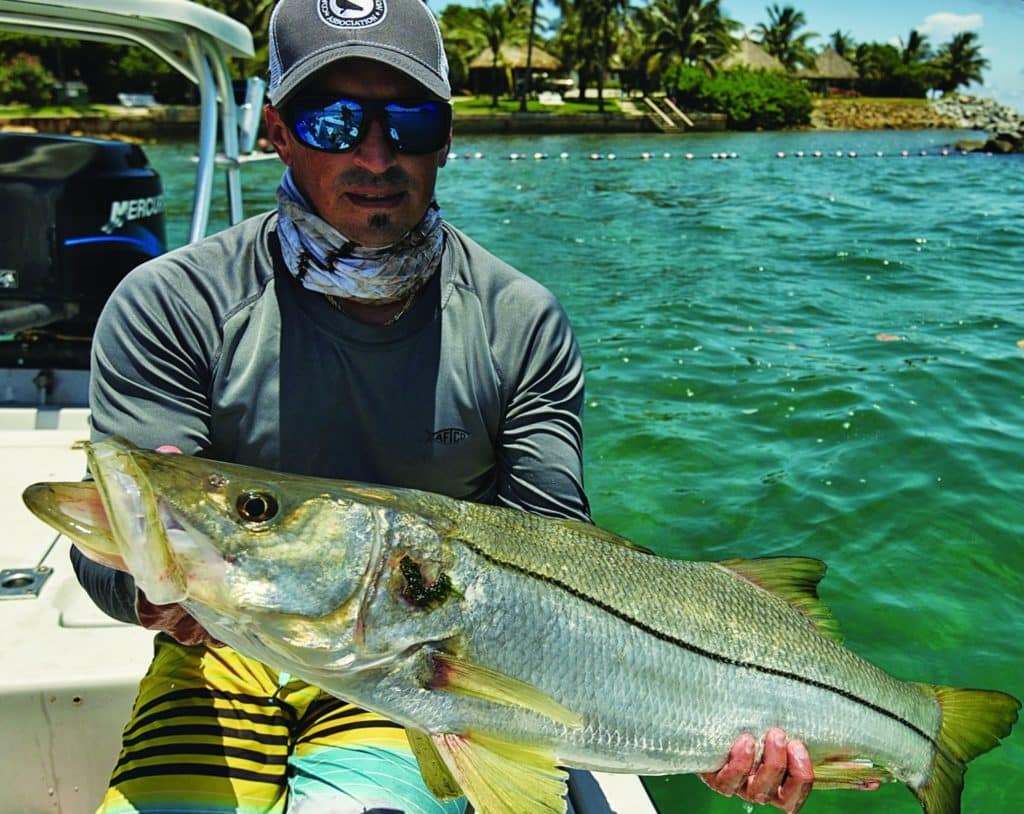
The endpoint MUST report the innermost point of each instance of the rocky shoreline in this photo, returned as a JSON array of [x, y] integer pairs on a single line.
[[1004, 124], [872, 114]]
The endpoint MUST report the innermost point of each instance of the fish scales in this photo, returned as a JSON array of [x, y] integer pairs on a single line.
[[510, 644], [670, 608]]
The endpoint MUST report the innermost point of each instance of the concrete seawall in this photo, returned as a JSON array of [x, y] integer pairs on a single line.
[[182, 122]]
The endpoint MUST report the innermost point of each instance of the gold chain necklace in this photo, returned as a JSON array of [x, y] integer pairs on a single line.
[[406, 305]]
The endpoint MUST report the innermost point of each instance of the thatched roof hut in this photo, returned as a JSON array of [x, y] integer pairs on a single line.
[[514, 56], [829, 65], [511, 68], [749, 54]]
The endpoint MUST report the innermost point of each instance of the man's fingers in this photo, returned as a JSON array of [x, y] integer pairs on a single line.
[[798, 783], [733, 775], [783, 778], [763, 786]]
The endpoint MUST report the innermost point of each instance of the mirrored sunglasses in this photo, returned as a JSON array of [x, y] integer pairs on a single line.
[[338, 125]]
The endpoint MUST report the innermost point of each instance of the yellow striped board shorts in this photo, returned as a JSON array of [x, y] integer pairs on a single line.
[[213, 732]]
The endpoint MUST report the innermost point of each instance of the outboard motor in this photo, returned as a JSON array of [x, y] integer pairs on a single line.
[[77, 215]]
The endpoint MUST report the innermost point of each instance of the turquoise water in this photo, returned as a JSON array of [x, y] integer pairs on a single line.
[[814, 356]]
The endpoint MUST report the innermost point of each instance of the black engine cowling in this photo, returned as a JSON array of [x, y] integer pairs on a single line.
[[78, 214]]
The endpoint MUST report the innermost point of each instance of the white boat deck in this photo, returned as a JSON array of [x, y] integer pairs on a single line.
[[67, 668]]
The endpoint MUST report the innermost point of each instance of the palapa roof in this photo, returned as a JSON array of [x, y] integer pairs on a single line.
[[514, 56], [749, 54], [829, 65]]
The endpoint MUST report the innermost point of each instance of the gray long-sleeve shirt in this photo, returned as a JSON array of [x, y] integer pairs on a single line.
[[477, 392]]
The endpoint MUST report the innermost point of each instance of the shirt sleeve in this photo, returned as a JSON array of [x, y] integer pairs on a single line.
[[149, 384], [540, 450]]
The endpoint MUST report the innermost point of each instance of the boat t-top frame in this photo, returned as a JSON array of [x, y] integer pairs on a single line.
[[193, 39]]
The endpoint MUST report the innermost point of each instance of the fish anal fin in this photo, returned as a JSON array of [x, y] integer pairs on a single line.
[[794, 580], [501, 777], [456, 675], [973, 722], [435, 771], [849, 773]]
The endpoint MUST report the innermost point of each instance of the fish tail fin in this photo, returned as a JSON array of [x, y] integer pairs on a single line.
[[973, 722]]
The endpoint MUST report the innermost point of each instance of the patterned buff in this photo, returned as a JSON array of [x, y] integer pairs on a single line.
[[324, 260]]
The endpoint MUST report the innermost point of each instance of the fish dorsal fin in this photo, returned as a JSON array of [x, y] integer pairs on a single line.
[[794, 580], [456, 675], [598, 533], [432, 766], [500, 777]]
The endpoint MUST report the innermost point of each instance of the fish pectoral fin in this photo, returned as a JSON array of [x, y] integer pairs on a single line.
[[849, 773], [435, 771], [453, 674], [795, 581], [500, 777]]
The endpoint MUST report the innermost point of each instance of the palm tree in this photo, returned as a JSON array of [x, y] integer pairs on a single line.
[[916, 74], [463, 40], [634, 43], [598, 19], [254, 14], [493, 22], [780, 39], [842, 42], [518, 9], [568, 43], [684, 32], [960, 62], [585, 39], [916, 48]]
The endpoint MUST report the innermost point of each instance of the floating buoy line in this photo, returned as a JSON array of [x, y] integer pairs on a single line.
[[943, 152]]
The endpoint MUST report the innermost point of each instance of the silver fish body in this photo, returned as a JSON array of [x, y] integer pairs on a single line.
[[502, 639]]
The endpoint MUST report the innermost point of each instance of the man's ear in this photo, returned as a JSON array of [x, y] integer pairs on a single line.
[[277, 132]]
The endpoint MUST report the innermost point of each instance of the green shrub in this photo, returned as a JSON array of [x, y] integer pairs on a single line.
[[753, 100], [24, 79]]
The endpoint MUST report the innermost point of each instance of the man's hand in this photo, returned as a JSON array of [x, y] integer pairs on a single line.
[[783, 778], [173, 620]]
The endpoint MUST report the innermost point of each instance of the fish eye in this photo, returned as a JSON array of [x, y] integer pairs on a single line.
[[256, 507]]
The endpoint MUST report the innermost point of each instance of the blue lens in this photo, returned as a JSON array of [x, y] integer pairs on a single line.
[[338, 125]]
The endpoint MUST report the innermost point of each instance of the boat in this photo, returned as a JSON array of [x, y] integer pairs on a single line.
[[78, 214]]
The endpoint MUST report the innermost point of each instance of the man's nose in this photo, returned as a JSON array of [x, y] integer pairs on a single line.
[[376, 151]]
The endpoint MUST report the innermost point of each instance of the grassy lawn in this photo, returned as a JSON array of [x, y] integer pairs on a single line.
[[481, 106]]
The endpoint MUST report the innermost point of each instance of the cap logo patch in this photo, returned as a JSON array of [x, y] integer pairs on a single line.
[[352, 13]]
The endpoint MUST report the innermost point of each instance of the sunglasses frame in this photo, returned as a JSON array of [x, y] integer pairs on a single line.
[[373, 110]]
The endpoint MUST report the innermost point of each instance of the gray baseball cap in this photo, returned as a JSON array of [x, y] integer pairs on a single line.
[[306, 35]]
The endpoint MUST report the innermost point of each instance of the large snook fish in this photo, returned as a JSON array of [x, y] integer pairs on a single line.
[[508, 644]]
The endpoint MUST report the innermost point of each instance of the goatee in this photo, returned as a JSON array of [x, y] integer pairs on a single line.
[[379, 221]]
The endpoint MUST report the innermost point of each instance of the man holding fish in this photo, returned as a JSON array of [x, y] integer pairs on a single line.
[[351, 333]]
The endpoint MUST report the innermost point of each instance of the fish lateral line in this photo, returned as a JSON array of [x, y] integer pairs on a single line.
[[669, 638]]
